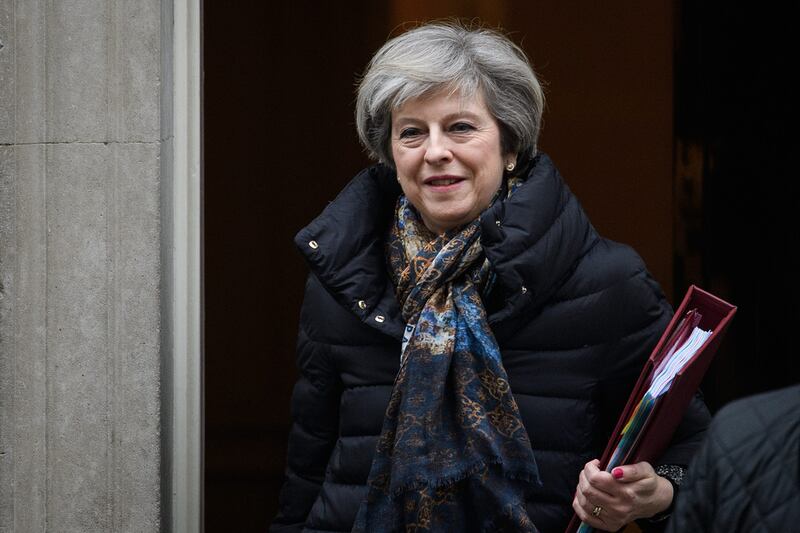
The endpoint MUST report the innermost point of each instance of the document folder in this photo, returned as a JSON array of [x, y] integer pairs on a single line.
[[655, 436]]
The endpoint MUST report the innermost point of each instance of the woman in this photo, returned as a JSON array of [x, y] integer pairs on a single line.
[[521, 330]]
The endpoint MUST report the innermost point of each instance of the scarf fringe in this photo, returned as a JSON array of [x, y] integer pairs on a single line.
[[527, 474]]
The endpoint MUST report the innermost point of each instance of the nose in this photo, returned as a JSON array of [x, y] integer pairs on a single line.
[[437, 150]]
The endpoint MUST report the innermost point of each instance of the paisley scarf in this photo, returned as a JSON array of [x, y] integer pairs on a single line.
[[453, 454]]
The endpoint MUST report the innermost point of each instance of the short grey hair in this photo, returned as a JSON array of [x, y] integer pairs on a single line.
[[458, 58]]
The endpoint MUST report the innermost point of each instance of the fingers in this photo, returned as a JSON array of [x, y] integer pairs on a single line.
[[633, 472], [597, 488], [596, 483], [604, 520], [586, 517], [618, 497], [647, 491]]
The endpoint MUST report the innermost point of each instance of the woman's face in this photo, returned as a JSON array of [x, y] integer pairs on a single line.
[[449, 162]]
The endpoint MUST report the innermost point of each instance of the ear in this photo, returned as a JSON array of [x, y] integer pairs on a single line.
[[510, 160]]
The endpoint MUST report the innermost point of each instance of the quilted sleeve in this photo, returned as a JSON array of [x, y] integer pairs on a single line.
[[315, 413], [642, 315]]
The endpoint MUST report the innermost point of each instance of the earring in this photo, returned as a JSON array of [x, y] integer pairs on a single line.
[[510, 166]]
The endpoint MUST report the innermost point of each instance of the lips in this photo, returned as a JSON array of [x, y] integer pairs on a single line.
[[442, 181]]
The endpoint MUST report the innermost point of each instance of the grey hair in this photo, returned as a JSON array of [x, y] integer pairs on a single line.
[[454, 57]]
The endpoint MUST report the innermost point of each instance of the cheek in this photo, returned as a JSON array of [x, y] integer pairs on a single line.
[[491, 184], [401, 162], [408, 190], [406, 164], [405, 178]]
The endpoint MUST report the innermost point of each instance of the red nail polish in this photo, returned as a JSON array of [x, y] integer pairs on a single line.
[[617, 473]]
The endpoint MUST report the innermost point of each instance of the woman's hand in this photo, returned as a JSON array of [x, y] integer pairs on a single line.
[[608, 501]]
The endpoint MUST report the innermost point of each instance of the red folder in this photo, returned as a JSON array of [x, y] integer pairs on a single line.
[[670, 408]]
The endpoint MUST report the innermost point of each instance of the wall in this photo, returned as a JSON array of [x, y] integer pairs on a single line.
[[80, 178]]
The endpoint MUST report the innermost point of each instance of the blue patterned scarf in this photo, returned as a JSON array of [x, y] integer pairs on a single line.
[[453, 454]]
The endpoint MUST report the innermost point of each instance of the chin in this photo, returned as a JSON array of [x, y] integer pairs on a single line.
[[450, 223]]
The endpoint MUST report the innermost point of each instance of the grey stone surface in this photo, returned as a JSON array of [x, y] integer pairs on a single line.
[[78, 344], [136, 338], [80, 438], [89, 71], [77, 70], [23, 346], [7, 215], [137, 69], [6, 73], [26, 82], [80, 265]]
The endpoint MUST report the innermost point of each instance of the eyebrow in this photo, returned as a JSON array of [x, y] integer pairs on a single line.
[[446, 118]]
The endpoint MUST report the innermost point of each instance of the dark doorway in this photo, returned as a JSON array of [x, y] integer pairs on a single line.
[[279, 144], [737, 184]]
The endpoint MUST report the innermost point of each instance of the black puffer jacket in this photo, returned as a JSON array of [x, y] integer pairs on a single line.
[[746, 476], [575, 316]]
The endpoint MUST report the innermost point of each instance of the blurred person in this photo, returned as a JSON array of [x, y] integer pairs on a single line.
[[746, 475]]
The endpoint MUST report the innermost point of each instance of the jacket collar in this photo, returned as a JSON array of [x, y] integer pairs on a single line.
[[533, 241], [344, 247]]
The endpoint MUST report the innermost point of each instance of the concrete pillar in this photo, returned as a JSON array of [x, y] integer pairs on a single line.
[[80, 178]]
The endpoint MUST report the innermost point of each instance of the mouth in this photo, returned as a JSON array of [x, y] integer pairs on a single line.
[[442, 181]]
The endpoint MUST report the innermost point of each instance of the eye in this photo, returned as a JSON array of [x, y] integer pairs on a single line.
[[409, 133], [462, 127]]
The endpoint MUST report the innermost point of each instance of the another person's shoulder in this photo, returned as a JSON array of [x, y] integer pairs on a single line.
[[760, 414], [772, 403], [745, 477], [758, 433]]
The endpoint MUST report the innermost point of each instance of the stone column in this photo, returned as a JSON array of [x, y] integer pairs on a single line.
[[80, 178]]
